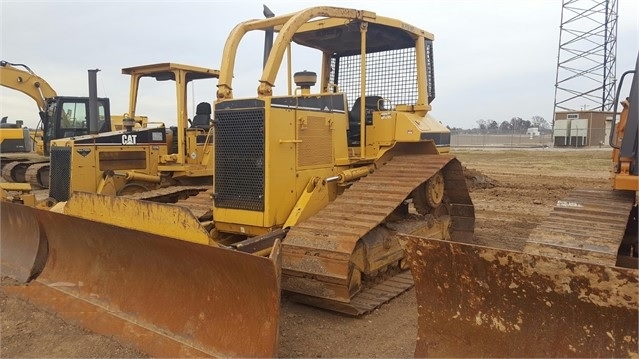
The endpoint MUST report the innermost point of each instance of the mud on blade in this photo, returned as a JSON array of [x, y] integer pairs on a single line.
[[484, 302], [23, 246], [168, 297]]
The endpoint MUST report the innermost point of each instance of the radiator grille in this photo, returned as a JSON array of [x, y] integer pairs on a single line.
[[239, 159], [60, 173]]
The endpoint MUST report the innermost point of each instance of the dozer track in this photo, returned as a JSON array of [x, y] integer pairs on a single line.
[[588, 225], [15, 171], [20, 171], [324, 255], [38, 175]]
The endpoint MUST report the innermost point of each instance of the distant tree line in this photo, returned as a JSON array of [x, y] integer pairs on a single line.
[[515, 125]]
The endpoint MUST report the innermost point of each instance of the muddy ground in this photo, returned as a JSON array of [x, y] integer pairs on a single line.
[[513, 190]]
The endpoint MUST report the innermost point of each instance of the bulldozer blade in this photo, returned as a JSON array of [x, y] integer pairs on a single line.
[[167, 297], [477, 301], [23, 248]]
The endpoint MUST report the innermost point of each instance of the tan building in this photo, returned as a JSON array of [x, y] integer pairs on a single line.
[[582, 128]]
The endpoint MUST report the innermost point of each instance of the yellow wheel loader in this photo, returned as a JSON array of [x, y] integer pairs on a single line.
[[337, 174], [571, 292]]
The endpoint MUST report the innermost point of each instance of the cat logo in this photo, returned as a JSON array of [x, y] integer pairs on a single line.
[[129, 139], [83, 152]]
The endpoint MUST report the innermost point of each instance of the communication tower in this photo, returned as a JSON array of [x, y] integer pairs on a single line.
[[586, 61]]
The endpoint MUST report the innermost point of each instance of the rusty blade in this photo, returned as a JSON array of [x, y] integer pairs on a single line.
[[484, 302], [23, 247], [205, 300]]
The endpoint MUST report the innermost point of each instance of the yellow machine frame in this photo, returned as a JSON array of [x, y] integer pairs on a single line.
[[292, 192]]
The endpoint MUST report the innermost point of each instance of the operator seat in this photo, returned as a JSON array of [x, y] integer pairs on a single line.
[[354, 121], [202, 118]]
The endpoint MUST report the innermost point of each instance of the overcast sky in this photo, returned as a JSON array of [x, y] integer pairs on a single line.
[[494, 60]]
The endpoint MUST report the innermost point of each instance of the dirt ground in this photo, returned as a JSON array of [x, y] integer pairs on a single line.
[[513, 190]]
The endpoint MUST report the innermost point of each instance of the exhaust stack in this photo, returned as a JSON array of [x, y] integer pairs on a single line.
[[93, 102], [268, 35]]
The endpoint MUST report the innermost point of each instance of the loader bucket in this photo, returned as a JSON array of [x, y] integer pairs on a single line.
[[23, 248], [484, 302], [168, 297]]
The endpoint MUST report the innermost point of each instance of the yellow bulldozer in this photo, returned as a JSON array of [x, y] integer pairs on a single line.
[[143, 162], [333, 173], [24, 156], [571, 292], [315, 191], [162, 163]]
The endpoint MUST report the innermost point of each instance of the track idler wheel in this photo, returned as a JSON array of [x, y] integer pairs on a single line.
[[429, 195]]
